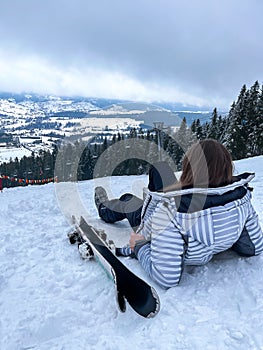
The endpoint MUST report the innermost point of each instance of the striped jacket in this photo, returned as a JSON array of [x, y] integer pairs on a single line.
[[188, 227]]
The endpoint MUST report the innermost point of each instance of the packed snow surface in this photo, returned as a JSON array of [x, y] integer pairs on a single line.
[[52, 299]]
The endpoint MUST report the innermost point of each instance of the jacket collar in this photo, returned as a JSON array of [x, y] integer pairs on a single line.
[[240, 180]]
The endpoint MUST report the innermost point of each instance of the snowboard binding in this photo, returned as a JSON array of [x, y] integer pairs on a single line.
[[74, 237], [85, 251]]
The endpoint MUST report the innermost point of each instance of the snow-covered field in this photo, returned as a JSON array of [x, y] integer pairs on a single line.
[[51, 299], [12, 152]]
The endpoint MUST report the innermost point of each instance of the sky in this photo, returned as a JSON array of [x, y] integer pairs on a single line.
[[195, 52]]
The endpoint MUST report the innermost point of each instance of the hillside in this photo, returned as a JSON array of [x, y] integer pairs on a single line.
[[51, 299], [32, 123]]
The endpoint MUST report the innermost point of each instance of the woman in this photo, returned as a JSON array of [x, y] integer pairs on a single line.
[[129, 206], [208, 211]]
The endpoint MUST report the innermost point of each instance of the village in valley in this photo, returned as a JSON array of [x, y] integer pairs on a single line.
[[30, 123]]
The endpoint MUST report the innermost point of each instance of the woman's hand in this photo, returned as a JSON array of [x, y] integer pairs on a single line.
[[134, 238]]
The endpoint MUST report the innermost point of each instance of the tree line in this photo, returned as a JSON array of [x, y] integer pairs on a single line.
[[241, 131]]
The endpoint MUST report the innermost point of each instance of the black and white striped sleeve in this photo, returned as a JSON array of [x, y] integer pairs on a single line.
[[162, 259]]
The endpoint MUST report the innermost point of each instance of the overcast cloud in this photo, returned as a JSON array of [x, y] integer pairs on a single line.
[[196, 51]]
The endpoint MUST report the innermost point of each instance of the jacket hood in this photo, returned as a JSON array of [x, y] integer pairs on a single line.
[[241, 180], [196, 199]]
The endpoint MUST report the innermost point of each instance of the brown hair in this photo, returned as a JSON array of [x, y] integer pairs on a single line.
[[206, 164]]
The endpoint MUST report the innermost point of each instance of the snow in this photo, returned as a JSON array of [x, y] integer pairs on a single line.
[[52, 104], [12, 152], [52, 300], [99, 124]]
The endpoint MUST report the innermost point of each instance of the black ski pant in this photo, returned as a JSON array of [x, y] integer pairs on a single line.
[[129, 206]]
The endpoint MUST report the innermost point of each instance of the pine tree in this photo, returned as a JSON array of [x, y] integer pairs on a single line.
[[257, 133], [236, 139], [184, 138], [213, 132], [252, 121], [198, 128], [205, 130], [113, 140], [193, 126], [104, 145], [222, 127]]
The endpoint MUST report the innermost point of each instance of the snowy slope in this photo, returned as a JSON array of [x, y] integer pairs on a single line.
[[11, 152], [51, 299], [47, 105]]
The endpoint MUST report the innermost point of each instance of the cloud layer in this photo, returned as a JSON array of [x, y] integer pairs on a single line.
[[196, 52]]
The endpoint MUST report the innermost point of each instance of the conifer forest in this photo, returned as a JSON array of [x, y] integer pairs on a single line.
[[240, 130]]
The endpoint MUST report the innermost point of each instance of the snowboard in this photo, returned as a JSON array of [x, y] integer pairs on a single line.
[[93, 244]]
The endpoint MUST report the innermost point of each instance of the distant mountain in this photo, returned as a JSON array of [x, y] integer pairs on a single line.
[[35, 98], [135, 106], [150, 113], [26, 105], [175, 106]]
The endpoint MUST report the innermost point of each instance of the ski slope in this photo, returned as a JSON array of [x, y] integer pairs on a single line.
[[50, 299]]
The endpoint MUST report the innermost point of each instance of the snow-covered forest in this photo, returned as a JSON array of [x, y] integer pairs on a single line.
[[240, 131]]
